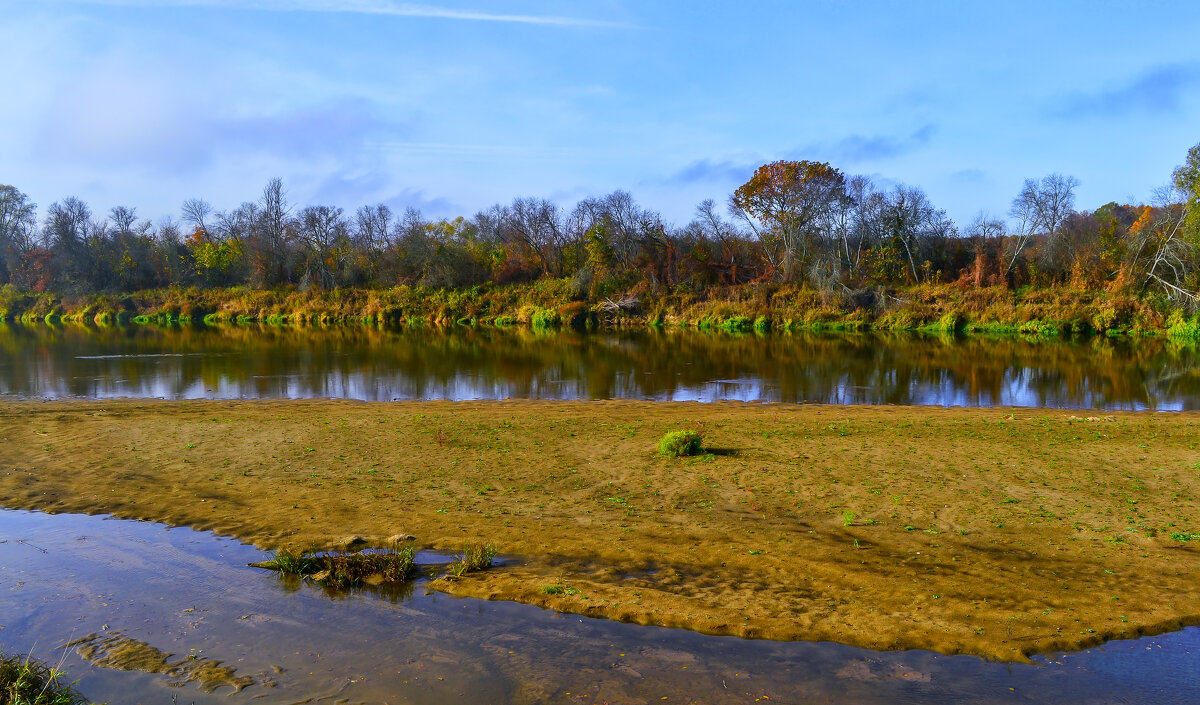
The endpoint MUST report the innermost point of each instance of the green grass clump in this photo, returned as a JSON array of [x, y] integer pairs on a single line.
[[677, 444], [737, 324], [558, 589], [293, 563], [1180, 326], [393, 566], [24, 681], [545, 318], [848, 517], [473, 557], [344, 570]]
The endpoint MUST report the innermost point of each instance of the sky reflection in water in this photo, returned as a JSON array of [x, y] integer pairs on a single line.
[[190, 592], [248, 362]]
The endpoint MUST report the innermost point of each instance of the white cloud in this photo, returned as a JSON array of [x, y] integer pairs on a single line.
[[368, 7], [122, 111]]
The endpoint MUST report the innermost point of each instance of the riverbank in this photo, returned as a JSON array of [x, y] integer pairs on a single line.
[[552, 303], [986, 531]]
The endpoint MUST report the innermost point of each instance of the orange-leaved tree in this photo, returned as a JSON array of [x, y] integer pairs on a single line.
[[789, 205]]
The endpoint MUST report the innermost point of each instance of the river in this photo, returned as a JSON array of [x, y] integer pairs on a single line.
[[359, 362]]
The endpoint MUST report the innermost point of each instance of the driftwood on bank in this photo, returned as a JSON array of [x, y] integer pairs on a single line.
[[613, 309]]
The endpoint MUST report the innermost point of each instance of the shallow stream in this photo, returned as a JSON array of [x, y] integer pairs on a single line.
[[185, 603]]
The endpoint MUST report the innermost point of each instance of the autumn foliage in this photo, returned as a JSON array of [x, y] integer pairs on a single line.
[[795, 223]]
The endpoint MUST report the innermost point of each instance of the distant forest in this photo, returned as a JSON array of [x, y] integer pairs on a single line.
[[799, 222]]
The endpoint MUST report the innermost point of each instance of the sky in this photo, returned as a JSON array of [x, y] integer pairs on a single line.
[[450, 106]]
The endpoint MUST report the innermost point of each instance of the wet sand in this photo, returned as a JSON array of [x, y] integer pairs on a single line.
[[990, 532]]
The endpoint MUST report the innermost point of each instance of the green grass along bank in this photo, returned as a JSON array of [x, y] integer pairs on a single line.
[[551, 303]]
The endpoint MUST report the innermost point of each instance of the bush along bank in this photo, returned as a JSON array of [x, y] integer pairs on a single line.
[[552, 304]]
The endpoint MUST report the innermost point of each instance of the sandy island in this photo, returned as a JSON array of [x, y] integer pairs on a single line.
[[990, 532]]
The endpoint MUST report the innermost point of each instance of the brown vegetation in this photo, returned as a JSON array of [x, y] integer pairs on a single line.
[[797, 223], [947, 308]]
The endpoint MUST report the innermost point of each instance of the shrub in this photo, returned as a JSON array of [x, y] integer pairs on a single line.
[[24, 681], [545, 318], [677, 444], [473, 557], [1179, 326], [343, 570], [949, 323], [736, 324]]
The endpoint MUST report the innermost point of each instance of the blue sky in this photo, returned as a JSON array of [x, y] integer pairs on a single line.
[[452, 106]]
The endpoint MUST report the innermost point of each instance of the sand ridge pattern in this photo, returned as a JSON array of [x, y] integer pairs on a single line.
[[115, 650], [993, 532]]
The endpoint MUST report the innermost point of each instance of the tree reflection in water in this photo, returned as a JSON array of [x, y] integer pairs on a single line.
[[487, 363]]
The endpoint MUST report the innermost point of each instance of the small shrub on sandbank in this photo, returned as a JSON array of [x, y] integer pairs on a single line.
[[678, 444], [473, 557]]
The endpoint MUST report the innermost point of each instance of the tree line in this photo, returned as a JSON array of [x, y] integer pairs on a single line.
[[801, 222]]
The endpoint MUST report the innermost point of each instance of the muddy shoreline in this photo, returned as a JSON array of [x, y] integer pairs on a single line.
[[999, 533]]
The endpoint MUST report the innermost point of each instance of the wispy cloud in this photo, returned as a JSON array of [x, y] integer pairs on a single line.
[[864, 148], [436, 206], [351, 189], [972, 176], [849, 150], [708, 170], [441, 148], [370, 7], [180, 139], [1159, 90]]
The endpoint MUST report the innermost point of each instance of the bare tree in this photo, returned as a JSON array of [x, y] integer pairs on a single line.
[[325, 234], [855, 219], [985, 226], [176, 264], [535, 225], [66, 224], [1040, 209], [414, 249], [372, 227], [724, 235], [1056, 201], [910, 220], [1159, 251], [237, 226], [195, 213], [268, 246], [620, 222], [123, 219]]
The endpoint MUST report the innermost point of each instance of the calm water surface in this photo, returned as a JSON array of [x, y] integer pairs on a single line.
[[247, 362], [188, 592], [185, 592]]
